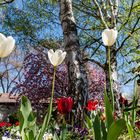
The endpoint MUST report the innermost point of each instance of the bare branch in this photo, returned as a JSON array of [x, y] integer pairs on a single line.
[[129, 14], [6, 2], [101, 14], [133, 30]]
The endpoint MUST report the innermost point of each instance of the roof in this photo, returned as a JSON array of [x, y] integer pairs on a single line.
[[8, 98]]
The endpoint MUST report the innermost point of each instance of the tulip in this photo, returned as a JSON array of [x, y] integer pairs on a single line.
[[123, 101], [3, 124], [6, 45], [57, 57], [137, 124], [64, 105], [92, 105], [109, 37]]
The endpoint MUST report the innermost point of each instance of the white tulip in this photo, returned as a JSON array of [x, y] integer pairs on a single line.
[[6, 45], [109, 36], [57, 57]]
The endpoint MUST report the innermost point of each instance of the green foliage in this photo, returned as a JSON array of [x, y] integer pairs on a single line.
[[27, 120], [28, 127], [105, 130], [97, 128], [116, 129], [108, 111]]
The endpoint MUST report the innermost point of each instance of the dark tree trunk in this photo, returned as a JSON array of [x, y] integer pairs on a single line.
[[78, 83]]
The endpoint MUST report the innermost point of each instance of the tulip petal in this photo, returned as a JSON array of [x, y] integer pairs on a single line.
[[2, 38], [62, 57], [105, 37], [7, 46], [50, 56]]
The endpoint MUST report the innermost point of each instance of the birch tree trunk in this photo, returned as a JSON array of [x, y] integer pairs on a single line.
[[78, 83]]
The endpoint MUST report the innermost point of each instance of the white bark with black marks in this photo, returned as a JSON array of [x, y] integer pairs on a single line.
[[78, 83]]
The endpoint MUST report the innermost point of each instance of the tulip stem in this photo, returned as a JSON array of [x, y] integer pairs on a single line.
[[110, 79], [52, 94], [48, 115]]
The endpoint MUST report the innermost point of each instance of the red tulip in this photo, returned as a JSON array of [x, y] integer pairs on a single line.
[[17, 123], [92, 105], [2, 124], [64, 105], [9, 124], [123, 101], [137, 124]]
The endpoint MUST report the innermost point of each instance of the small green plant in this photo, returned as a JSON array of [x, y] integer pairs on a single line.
[[110, 129]]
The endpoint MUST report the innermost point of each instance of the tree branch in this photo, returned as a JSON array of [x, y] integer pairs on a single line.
[[101, 14], [6, 2], [133, 30], [129, 14]]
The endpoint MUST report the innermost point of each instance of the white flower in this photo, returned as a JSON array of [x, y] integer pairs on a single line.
[[48, 136], [6, 45], [57, 57], [6, 138], [109, 36]]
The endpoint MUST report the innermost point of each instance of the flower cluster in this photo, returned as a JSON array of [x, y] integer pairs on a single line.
[[64, 105], [7, 124]]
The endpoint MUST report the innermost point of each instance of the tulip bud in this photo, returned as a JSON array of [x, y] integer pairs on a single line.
[[109, 37], [57, 57], [6, 45]]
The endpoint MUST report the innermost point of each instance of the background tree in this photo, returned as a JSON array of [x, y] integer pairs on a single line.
[[10, 71], [46, 30], [92, 24], [36, 83]]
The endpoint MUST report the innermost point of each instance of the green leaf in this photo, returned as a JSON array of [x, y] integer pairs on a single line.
[[27, 120], [63, 132], [25, 108], [129, 109], [108, 111], [130, 129], [116, 129], [45, 122], [103, 130], [89, 123], [97, 128]]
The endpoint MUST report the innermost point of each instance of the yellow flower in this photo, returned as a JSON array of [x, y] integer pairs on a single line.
[[109, 37], [57, 57], [6, 45]]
